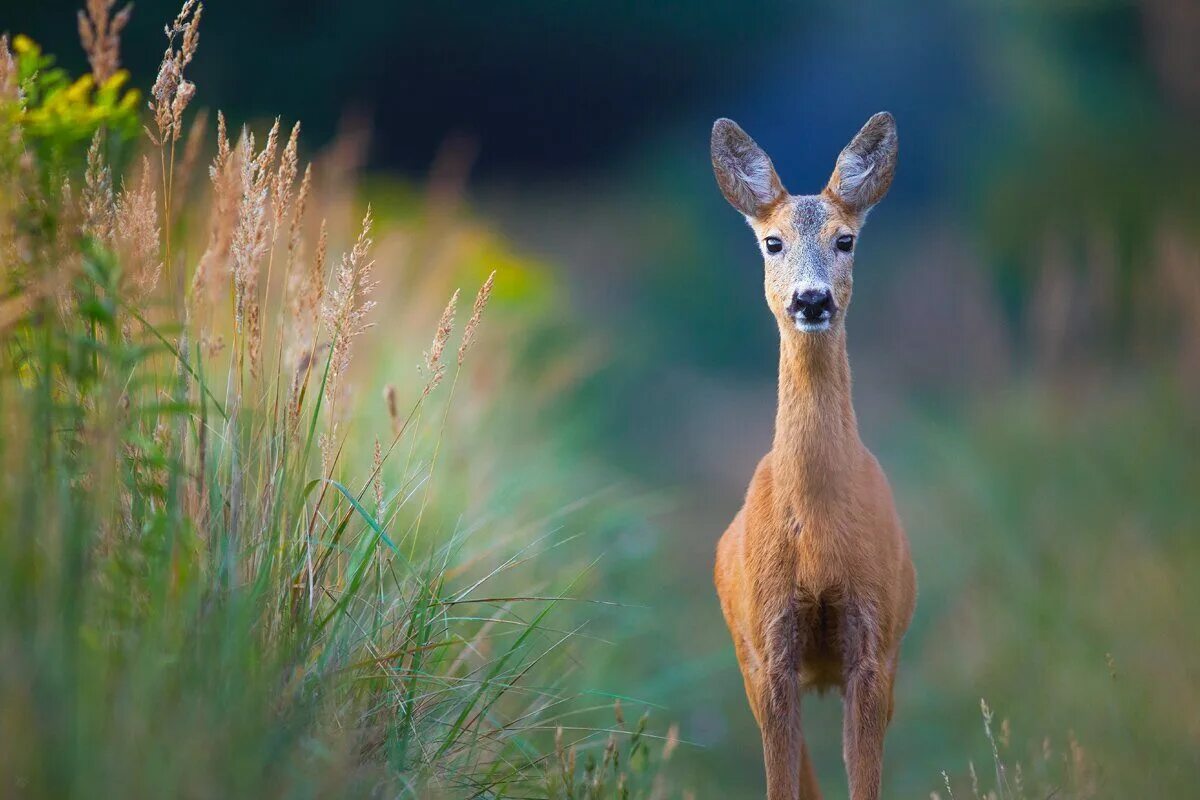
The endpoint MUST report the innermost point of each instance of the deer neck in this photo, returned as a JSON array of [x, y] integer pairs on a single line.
[[816, 432]]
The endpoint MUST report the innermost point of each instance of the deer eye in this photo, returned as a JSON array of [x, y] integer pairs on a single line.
[[845, 243], [774, 244]]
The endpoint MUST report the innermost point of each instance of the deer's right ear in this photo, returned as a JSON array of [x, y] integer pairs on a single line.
[[744, 172]]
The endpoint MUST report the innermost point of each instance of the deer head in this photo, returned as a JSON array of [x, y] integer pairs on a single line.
[[807, 241]]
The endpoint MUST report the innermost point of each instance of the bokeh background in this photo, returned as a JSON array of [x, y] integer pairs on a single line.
[[1025, 335]]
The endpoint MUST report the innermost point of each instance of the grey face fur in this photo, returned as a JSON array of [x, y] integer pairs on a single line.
[[807, 241]]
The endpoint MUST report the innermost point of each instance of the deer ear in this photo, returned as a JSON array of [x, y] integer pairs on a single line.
[[864, 169], [744, 172]]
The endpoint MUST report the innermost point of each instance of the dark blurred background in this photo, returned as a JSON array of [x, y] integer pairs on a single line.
[[1025, 336], [544, 86], [552, 89]]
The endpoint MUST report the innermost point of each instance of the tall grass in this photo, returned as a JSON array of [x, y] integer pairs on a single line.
[[1048, 773], [214, 583]]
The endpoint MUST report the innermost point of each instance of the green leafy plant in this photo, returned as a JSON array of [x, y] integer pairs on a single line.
[[57, 113]]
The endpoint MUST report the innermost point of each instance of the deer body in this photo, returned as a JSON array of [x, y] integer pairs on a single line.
[[814, 574]]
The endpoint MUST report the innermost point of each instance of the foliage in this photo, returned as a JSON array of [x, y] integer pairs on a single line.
[[57, 113], [213, 584]]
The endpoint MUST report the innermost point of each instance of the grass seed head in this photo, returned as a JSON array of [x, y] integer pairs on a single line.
[[393, 407], [347, 307], [137, 232], [223, 148], [100, 34], [377, 480], [250, 236], [481, 301], [99, 204], [433, 358], [171, 92], [226, 175], [285, 178]]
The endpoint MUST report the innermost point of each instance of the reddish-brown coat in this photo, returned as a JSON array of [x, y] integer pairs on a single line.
[[814, 574]]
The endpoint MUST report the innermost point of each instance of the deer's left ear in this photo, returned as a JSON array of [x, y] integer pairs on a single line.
[[864, 169]]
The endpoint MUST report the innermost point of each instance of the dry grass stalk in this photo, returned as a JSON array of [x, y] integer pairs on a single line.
[[306, 291], [172, 92], [192, 146], [250, 237], [254, 337], [298, 286], [304, 369], [311, 295], [344, 312], [66, 256], [10, 87], [225, 174], [282, 185], [946, 782], [99, 204], [285, 179], [136, 234], [393, 407], [296, 231], [100, 33], [325, 445], [10, 93], [433, 359], [481, 301], [223, 148], [1083, 777], [377, 481], [672, 741]]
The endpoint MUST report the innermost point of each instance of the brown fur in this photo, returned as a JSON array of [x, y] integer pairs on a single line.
[[814, 574]]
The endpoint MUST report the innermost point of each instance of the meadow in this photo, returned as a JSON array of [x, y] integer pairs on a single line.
[[248, 554], [321, 483]]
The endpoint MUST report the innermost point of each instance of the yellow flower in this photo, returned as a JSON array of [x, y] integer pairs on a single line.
[[78, 91], [130, 100], [118, 79]]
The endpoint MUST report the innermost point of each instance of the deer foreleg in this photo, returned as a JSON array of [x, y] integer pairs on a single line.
[[866, 707], [789, 772]]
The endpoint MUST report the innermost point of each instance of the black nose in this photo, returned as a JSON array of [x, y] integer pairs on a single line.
[[812, 304]]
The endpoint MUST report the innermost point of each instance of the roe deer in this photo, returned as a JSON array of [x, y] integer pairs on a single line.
[[814, 573]]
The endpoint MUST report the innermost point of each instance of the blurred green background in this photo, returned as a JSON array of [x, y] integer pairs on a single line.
[[1025, 334]]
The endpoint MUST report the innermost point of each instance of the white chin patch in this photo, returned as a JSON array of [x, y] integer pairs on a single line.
[[804, 326]]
